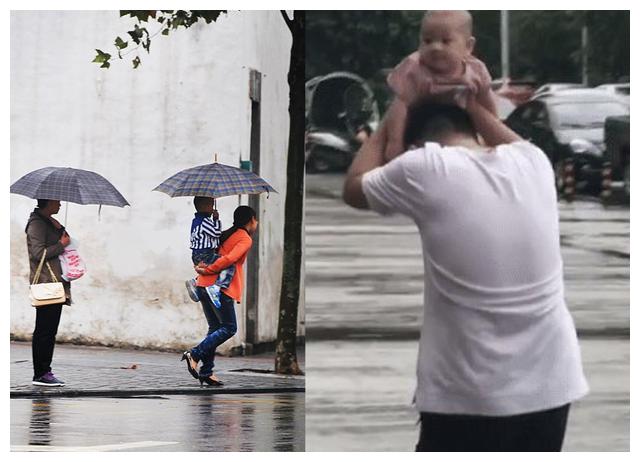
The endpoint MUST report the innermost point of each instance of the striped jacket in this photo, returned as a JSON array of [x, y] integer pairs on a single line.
[[205, 232]]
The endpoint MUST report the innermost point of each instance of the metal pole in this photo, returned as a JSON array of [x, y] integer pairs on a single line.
[[504, 43], [585, 55]]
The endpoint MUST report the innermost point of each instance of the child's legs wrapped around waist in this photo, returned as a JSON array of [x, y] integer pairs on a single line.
[[226, 276], [207, 256]]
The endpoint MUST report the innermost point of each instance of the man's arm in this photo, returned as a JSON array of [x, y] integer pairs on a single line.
[[492, 130], [487, 100], [394, 127], [369, 156]]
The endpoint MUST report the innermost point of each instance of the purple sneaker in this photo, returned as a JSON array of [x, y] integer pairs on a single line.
[[48, 380]]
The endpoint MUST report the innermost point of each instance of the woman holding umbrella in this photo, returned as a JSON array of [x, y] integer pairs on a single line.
[[47, 237], [45, 233], [219, 180], [235, 244]]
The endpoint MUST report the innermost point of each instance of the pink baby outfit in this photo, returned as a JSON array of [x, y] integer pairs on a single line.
[[413, 82]]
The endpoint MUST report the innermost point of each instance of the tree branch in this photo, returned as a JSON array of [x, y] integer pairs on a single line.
[[288, 21]]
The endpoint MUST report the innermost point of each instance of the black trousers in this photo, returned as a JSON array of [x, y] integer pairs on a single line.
[[44, 338], [541, 431]]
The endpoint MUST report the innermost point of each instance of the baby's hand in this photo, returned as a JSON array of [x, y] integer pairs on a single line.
[[215, 215]]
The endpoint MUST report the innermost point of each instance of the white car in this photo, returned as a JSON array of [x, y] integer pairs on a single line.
[[550, 88], [621, 89]]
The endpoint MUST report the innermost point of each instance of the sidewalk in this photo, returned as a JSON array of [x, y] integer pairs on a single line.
[[350, 408], [112, 372]]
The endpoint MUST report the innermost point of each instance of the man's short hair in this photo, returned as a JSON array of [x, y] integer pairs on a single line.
[[430, 121], [42, 203]]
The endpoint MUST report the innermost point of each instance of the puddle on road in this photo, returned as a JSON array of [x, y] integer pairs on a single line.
[[190, 423]]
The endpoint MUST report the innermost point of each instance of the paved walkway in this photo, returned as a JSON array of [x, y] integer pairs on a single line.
[[112, 372]]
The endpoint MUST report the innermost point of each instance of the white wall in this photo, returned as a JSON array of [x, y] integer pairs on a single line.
[[188, 100]]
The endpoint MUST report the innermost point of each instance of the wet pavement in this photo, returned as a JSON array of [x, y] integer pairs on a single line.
[[362, 353], [100, 371], [271, 422], [136, 400]]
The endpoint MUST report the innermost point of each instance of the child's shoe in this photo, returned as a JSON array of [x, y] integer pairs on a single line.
[[191, 290], [214, 295]]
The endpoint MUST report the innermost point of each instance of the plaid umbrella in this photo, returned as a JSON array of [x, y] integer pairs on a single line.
[[68, 184], [213, 180]]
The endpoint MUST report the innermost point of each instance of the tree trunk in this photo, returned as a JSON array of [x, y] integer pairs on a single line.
[[286, 359]]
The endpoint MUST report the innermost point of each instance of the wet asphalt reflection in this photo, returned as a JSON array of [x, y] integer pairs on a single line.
[[160, 423]]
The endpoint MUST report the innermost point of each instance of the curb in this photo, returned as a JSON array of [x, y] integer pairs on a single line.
[[59, 393]]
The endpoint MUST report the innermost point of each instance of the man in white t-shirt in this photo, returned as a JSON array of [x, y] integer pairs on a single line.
[[499, 361]]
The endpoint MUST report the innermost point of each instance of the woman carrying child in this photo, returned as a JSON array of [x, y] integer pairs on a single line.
[[235, 243]]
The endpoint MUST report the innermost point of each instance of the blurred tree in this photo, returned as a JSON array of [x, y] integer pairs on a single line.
[[545, 45], [359, 41], [609, 46]]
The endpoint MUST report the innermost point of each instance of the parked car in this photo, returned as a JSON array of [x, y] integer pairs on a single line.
[[517, 91], [623, 89], [550, 88], [616, 136], [340, 107], [569, 124]]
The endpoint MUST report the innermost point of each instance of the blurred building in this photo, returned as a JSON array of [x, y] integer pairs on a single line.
[[190, 98]]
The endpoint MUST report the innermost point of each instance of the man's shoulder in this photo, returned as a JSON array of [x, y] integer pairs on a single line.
[[532, 156], [409, 159], [525, 148]]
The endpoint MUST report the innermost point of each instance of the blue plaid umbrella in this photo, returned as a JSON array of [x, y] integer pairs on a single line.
[[68, 184], [213, 180]]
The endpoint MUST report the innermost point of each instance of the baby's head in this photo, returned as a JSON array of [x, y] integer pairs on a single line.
[[446, 39], [203, 204]]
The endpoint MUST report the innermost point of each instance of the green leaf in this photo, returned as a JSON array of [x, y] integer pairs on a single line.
[[140, 15], [207, 15], [136, 34], [101, 57], [136, 62], [165, 32], [120, 44], [177, 21], [105, 65]]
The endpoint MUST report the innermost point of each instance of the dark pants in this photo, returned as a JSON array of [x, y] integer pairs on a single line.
[[44, 338], [541, 431], [222, 326]]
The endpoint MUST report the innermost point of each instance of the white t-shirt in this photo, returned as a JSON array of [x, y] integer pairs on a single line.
[[497, 337]]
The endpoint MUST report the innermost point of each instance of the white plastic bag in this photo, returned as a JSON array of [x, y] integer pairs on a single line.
[[72, 265]]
